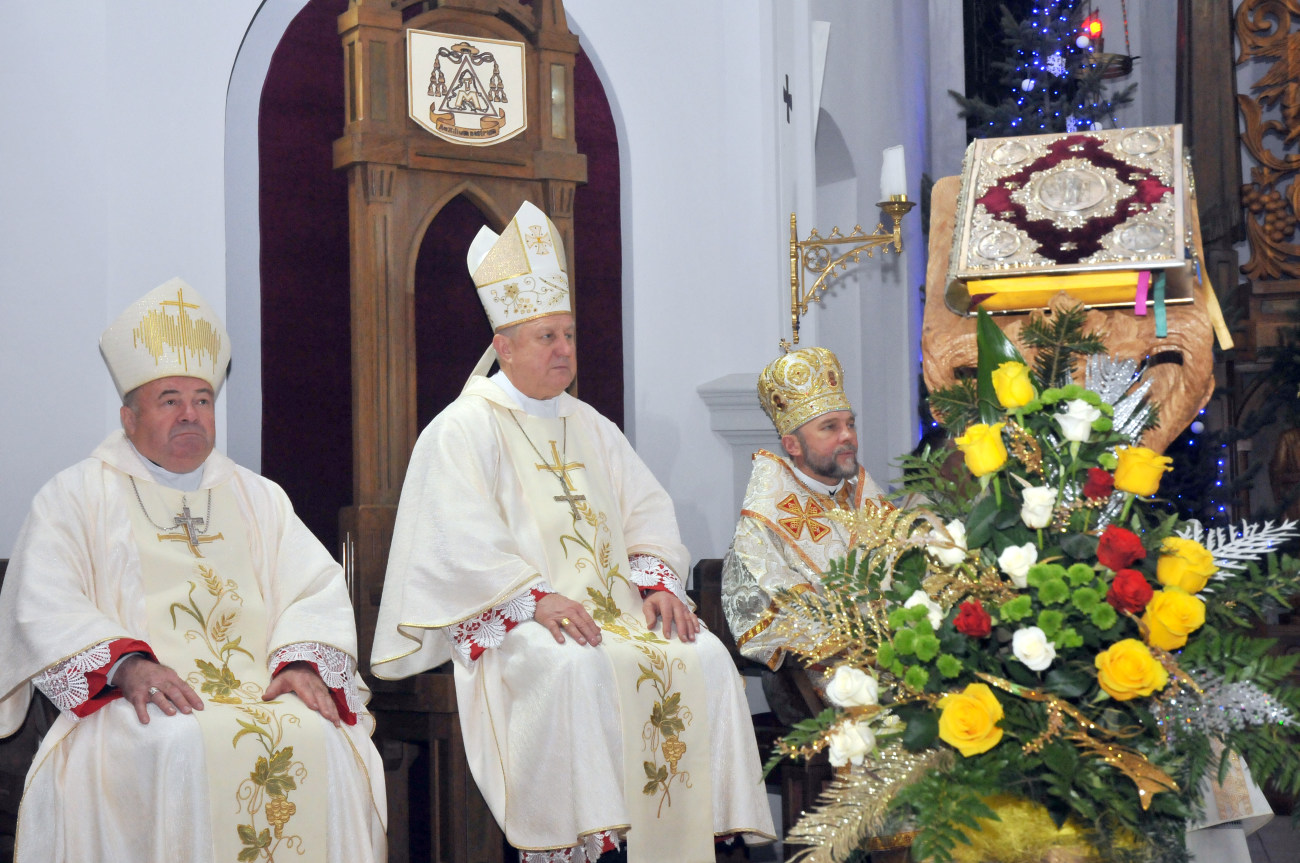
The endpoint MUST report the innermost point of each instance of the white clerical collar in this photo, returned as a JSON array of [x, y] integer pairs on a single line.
[[178, 481], [549, 408], [816, 484]]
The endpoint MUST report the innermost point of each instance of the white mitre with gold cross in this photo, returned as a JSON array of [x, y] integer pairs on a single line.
[[170, 331], [520, 274]]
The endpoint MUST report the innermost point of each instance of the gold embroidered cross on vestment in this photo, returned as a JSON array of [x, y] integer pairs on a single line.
[[560, 468], [803, 517]]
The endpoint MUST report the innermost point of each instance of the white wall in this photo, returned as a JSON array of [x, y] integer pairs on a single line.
[[702, 232]]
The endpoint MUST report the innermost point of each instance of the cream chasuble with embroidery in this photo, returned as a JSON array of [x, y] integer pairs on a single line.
[[89, 568], [564, 740], [661, 695], [266, 778]]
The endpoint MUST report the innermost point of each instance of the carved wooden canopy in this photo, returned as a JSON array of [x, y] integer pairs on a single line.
[[401, 175]]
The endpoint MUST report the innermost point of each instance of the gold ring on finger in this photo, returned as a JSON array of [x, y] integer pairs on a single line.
[[564, 621]]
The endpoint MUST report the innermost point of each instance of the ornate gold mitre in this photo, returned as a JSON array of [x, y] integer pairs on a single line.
[[170, 331], [800, 386], [520, 274]]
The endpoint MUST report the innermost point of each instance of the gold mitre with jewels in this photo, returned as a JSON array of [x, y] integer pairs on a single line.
[[801, 386], [170, 331], [520, 274]]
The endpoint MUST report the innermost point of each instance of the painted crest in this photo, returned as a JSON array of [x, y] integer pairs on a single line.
[[467, 91]]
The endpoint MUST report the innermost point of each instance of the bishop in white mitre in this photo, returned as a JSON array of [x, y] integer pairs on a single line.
[[534, 548], [195, 636]]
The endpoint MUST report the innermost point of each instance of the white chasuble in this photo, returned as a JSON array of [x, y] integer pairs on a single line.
[[661, 691], [266, 763]]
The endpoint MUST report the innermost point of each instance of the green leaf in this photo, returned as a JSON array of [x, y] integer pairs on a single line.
[[281, 759], [1061, 758], [994, 350], [647, 673], [922, 729], [980, 522], [1079, 546], [650, 789], [1068, 682], [279, 786]]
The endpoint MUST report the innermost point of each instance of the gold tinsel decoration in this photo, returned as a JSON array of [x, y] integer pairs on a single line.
[[1149, 779], [1025, 447], [853, 806]]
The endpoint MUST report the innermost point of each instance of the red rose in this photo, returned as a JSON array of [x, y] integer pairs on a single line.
[[972, 619], [1119, 548], [1100, 483], [1130, 591]]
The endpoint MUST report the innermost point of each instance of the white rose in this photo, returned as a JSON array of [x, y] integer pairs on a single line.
[[852, 687], [934, 612], [1039, 501], [1076, 422], [1016, 560], [951, 554], [1032, 648], [851, 742]]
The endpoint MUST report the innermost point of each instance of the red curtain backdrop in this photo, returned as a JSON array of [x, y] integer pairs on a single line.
[[306, 347]]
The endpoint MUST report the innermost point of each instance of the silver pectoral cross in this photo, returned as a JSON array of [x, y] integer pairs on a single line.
[[188, 533]]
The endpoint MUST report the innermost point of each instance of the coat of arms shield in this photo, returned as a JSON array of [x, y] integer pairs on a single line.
[[466, 90]]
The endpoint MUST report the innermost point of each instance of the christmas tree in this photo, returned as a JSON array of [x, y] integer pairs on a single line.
[[1052, 77]]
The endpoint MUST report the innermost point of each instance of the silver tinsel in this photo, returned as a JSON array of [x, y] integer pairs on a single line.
[[1221, 708]]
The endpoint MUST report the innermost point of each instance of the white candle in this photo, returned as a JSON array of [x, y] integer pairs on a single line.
[[893, 173]]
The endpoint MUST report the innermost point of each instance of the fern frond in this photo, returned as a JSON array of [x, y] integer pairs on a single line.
[[1058, 339], [956, 406]]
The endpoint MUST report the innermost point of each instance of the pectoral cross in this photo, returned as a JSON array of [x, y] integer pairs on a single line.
[[189, 531], [561, 472]]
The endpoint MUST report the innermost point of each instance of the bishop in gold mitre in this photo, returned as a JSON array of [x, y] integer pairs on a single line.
[[195, 637], [534, 549], [784, 539]]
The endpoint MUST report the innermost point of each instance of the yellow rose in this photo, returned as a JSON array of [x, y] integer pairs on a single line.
[[1139, 470], [1012, 385], [969, 721], [1128, 670], [983, 447], [1172, 615], [1184, 563]]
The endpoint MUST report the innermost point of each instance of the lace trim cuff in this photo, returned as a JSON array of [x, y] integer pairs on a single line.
[[651, 573], [65, 684], [471, 637], [336, 669]]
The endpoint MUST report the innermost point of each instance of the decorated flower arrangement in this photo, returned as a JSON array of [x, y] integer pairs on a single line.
[[1038, 629]]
